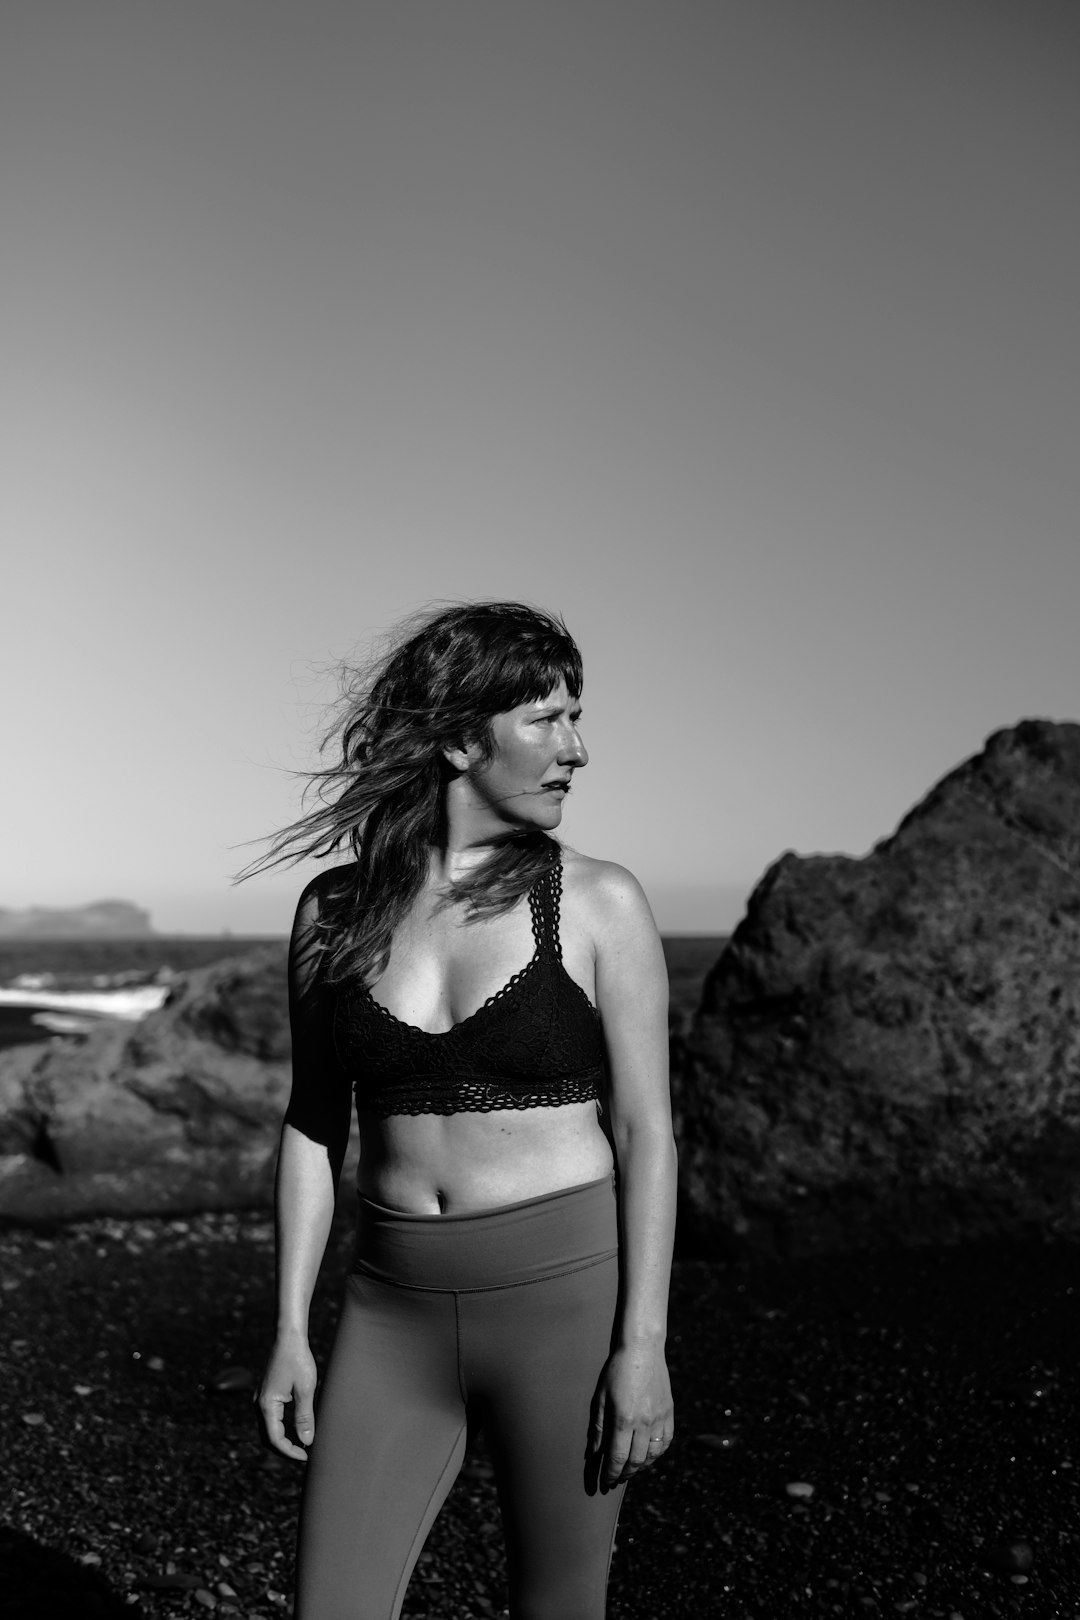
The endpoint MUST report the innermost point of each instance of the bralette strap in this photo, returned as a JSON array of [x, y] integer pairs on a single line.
[[544, 897]]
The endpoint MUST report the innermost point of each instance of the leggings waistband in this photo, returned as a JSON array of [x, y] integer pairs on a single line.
[[489, 1248]]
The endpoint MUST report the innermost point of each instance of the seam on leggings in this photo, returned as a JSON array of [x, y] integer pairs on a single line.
[[461, 1382], [490, 1288], [414, 1551]]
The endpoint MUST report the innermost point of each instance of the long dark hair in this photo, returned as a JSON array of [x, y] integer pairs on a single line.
[[447, 673]]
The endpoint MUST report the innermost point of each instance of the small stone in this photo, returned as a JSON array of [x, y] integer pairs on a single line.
[[207, 1599], [478, 1468], [718, 1442], [33, 1419], [1019, 1580], [90, 1558], [799, 1488], [906, 1606], [171, 1581], [232, 1381], [225, 1590], [155, 1364], [1010, 1557], [83, 1389]]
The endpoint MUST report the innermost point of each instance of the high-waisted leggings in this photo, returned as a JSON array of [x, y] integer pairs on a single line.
[[505, 1315]]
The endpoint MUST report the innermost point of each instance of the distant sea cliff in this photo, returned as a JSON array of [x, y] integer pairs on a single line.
[[101, 919]]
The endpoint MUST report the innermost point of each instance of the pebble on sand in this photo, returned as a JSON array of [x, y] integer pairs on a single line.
[[718, 1442], [799, 1488], [232, 1381], [1010, 1557], [171, 1581]]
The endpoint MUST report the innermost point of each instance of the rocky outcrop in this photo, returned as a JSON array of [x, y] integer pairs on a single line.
[[888, 1050], [100, 920], [179, 1112]]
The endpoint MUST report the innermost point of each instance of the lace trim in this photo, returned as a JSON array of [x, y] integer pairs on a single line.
[[478, 1097], [441, 1034], [550, 881]]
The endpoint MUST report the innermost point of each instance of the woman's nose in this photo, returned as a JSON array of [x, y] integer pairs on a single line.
[[573, 750]]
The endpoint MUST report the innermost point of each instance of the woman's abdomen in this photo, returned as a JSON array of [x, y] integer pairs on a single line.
[[430, 1164]]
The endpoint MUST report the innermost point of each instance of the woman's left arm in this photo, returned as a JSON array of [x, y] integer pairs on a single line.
[[633, 1420]]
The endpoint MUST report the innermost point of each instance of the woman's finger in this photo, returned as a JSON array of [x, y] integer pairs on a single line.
[[596, 1427], [272, 1408], [619, 1445], [304, 1417], [658, 1444]]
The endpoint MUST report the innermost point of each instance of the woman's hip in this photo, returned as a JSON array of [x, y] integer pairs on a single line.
[[556, 1233]]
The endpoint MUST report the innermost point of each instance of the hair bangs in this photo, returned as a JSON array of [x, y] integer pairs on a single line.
[[531, 677]]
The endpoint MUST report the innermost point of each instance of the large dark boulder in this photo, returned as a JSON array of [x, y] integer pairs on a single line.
[[888, 1050], [179, 1112]]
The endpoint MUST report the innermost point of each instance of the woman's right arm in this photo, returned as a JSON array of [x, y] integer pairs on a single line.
[[313, 1142]]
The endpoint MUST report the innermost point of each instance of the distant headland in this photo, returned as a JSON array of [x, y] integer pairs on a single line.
[[101, 919]]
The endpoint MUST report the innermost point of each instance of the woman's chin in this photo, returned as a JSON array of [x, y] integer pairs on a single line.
[[545, 816]]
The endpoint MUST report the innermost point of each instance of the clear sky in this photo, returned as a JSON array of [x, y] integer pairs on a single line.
[[744, 333]]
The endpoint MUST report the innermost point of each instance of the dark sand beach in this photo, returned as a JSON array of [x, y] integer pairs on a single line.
[[926, 1404]]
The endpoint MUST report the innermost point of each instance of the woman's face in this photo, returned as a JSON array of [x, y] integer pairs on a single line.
[[538, 748]]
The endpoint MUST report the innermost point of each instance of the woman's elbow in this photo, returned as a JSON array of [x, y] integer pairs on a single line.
[[648, 1142]]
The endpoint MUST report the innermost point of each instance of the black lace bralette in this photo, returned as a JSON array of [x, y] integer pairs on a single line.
[[536, 1043]]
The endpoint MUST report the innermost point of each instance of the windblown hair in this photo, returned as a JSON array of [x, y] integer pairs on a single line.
[[447, 674]]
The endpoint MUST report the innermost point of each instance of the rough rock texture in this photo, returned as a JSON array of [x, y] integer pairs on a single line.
[[889, 1048], [177, 1113]]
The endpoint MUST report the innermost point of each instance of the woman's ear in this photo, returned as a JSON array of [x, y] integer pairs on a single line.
[[459, 756]]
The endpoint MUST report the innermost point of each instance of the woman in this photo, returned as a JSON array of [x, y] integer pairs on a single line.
[[498, 1004]]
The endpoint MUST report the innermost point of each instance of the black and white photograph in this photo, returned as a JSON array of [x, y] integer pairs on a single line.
[[540, 833]]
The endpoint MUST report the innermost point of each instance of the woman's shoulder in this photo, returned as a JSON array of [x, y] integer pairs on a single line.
[[320, 893], [606, 894], [307, 943]]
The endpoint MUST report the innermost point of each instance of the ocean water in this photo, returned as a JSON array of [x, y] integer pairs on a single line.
[[62, 987]]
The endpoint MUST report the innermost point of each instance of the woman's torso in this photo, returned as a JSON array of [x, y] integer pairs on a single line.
[[448, 980]]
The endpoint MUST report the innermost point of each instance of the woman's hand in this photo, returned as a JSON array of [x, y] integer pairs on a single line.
[[633, 1416], [290, 1376]]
